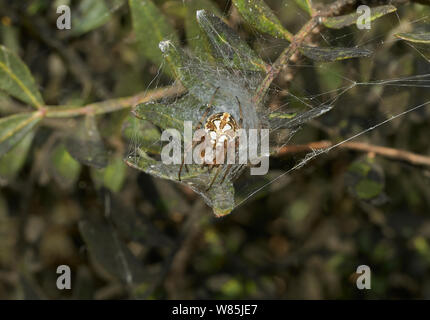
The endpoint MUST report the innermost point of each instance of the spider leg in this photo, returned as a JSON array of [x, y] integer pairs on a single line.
[[214, 178], [240, 113], [226, 172], [199, 125], [180, 168], [183, 162]]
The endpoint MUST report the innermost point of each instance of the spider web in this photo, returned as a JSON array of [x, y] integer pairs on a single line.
[[368, 99]]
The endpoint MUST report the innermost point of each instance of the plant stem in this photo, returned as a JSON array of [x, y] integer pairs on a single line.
[[391, 153], [296, 41], [113, 104], [283, 59]]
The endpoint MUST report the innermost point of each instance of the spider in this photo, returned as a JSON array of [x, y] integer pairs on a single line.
[[221, 128]]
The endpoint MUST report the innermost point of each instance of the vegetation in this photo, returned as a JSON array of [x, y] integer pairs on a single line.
[[82, 111]]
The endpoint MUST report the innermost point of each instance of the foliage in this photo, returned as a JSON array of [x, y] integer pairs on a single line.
[[78, 106]]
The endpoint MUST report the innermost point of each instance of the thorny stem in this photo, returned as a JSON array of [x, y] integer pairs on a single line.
[[391, 153], [113, 104]]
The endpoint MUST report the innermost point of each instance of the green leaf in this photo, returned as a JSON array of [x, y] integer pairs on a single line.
[[202, 80], [333, 54], [142, 133], [86, 145], [419, 37], [178, 60], [198, 78], [227, 45], [170, 115], [294, 120], [365, 180], [16, 127], [132, 225], [151, 27], [279, 115], [12, 161], [196, 38], [16, 79], [10, 37], [112, 177], [340, 22], [176, 8], [92, 14], [112, 255], [305, 5], [258, 14], [367, 189], [65, 170], [220, 197]]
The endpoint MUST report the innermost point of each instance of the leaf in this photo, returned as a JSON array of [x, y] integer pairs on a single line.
[[202, 80], [92, 14], [366, 181], [176, 8], [340, 22], [10, 36], [258, 14], [196, 38], [110, 253], [279, 115], [16, 79], [112, 177], [367, 189], [14, 159], [136, 226], [198, 78], [293, 120], [142, 133], [227, 45], [16, 127], [168, 116], [86, 146], [64, 169], [419, 37], [151, 27], [220, 197], [305, 5], [333, 54], [177, 60]]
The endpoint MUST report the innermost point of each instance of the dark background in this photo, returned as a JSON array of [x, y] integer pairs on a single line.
[[134, 236]]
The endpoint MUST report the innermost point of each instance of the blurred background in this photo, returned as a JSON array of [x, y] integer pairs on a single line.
[[128, 235]]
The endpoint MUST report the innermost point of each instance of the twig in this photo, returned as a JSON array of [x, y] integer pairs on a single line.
[[391, 153], [113, 104], [297, 40]]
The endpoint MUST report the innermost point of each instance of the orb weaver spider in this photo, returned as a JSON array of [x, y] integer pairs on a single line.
[[222, 129]]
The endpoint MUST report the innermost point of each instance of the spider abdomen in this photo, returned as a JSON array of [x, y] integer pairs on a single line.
[[220, 127]]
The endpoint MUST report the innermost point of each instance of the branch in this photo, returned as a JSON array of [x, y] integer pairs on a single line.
[[299, 38], [113, 104], [391, 153]]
